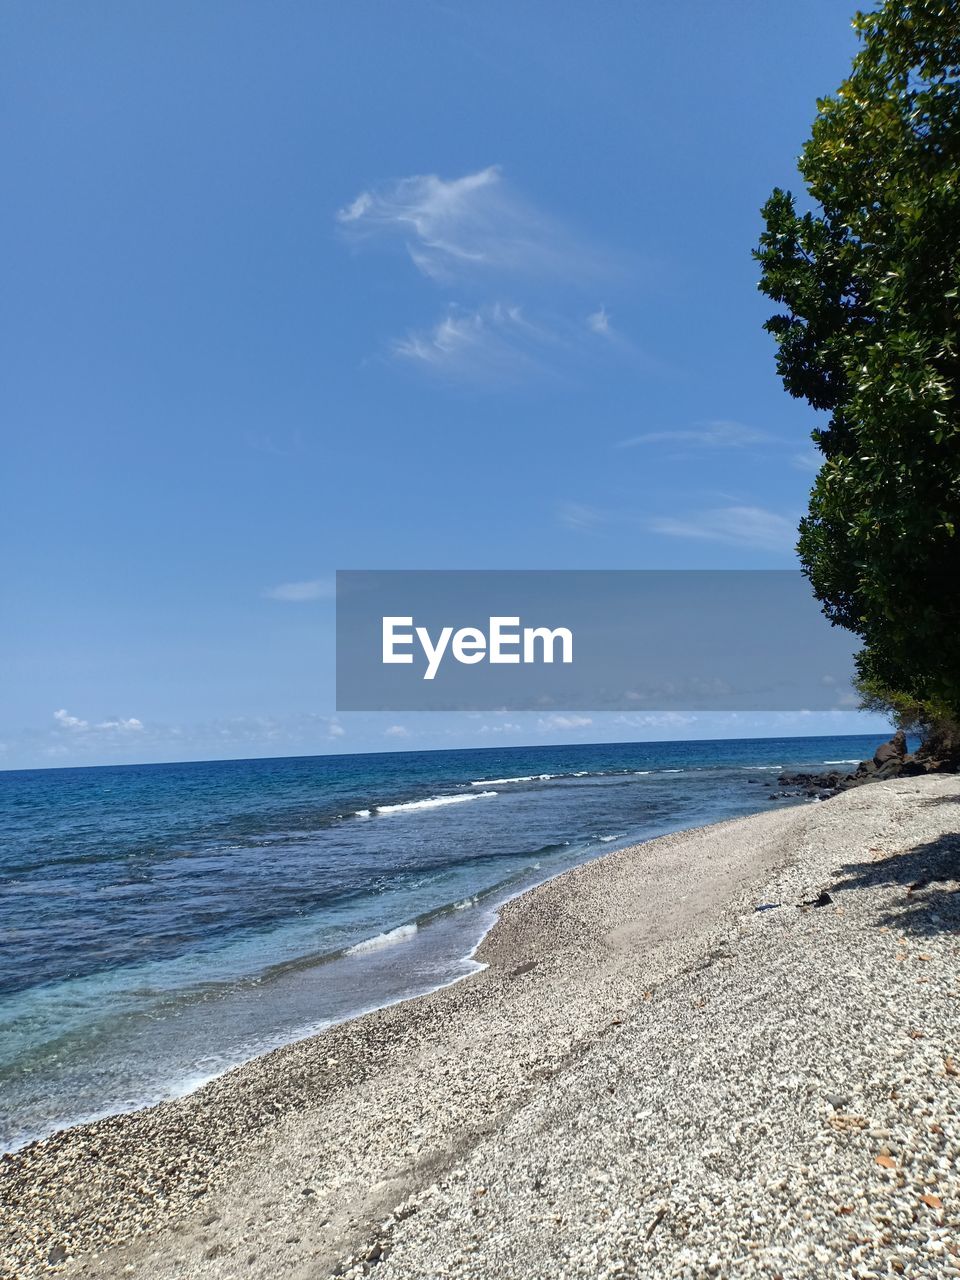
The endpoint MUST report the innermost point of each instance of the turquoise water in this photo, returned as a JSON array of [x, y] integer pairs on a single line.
[[162, 923]]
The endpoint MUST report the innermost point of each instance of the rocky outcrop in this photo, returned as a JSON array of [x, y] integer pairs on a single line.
[[816, 786], [890, 760], [894, 750]]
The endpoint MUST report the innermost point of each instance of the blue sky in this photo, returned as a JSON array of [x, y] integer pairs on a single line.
[[294, 287]]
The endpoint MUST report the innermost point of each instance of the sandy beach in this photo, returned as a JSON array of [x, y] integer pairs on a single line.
[[733, 1051]]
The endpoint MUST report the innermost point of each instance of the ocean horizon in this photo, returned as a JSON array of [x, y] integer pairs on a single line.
[[166, 922]]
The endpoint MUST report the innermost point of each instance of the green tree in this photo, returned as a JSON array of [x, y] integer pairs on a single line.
[[868, 278]]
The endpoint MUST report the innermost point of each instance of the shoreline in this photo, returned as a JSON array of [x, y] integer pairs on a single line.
[[296, 1158], [487, 903], [89, 1039]]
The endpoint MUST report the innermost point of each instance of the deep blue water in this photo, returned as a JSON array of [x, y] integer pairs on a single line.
[[161, 923]]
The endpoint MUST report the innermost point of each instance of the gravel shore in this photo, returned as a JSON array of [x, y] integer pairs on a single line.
[[730, 1052]]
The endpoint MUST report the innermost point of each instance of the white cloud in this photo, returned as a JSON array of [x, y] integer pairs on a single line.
[[599, 321], [475, 235], [471, 225], [655, 720], [576, 515], [716, 434], [396, 731], [118, 739], [492, 344], [354, 211], [552, 723], [67, 721], [297, 592], [741, 526], [126, 725], [808, 460]]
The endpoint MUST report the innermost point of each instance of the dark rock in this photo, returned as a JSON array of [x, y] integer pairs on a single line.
[[822, 899], [890, 760], [894, 750], [57, 1254], [892, 768]]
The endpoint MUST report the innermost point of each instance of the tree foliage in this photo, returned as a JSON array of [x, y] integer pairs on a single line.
[[869, 283]]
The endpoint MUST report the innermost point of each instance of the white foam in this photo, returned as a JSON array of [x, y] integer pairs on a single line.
[[502, 782], [607, 839], [191, 1083], [362, 813], [433, 803], [403, 933], [857, 761]]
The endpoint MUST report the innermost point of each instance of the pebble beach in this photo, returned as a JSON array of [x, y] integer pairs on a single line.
[[734, 1051]]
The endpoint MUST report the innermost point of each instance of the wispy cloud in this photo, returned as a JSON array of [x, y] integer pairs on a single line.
[[599, 321], [477, 237], [129, 725], [576, 515], [739, 526], [298, 592], [494, 343], [655, 720], [396, 731], [719, 433], [475, 224], [809, 460], [553, 723]]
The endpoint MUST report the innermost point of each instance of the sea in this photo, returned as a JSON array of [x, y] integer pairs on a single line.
[[160, 924]]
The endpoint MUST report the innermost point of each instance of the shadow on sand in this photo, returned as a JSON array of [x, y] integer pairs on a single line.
[[929, 875]]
